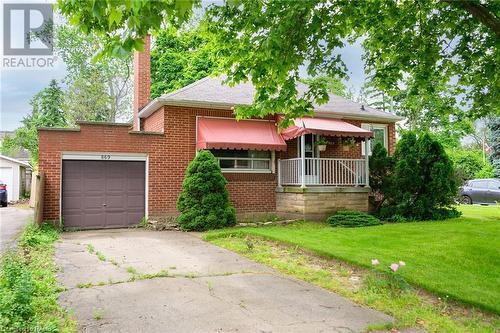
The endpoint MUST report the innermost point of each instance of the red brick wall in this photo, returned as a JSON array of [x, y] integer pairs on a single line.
[[392, 137], [155, 122], [142, 79], [169, 154], [97, 138], [248, 192]]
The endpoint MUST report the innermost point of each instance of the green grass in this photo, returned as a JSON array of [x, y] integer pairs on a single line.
[[28, 286], [380, 291], [458, 258]]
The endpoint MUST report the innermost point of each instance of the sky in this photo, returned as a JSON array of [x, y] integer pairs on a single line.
[[18, 86]]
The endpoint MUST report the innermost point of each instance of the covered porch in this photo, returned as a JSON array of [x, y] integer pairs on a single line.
[[310, 168], [319, 181]]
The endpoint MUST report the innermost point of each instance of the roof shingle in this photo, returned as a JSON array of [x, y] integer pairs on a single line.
[[210, 92]]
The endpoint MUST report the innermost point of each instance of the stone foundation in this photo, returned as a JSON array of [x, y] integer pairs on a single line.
[[317, 203]]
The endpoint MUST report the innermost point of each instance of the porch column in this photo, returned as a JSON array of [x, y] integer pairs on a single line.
[[303, 160], [367, 163], [279, 173]]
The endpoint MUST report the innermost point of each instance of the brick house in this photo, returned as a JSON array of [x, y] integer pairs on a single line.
[[104, 175]]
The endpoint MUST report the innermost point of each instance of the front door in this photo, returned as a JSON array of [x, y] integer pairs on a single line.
[[311, 153]]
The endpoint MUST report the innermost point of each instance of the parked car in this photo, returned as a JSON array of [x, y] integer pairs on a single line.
[[3, 194], [481, 191]]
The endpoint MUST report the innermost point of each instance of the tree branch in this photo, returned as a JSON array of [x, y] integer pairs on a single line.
[[480, 12]]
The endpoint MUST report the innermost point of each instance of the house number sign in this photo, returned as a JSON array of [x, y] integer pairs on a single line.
[[105, 157]]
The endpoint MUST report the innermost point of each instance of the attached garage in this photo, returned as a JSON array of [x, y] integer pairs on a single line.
[[109, 192]]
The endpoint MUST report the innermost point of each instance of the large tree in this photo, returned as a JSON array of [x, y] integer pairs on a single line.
[[430, 48], [178, 58], [98, 89], [494, 126], [47, 111], [87, 98]]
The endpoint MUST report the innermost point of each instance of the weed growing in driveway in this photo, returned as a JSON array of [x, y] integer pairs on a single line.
[[91, 248], [98, 314], [160, 274], [84, 285], [100, 256], [210, 288], [131, 270], [28, 286]]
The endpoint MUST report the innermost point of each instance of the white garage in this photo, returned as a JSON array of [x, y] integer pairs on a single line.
[[16, 174]]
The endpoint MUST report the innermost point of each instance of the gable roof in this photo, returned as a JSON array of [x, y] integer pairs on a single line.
[[13, 160], [210, 92]]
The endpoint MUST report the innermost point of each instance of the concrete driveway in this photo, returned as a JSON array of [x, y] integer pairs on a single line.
[[12, 221], [208, 289]]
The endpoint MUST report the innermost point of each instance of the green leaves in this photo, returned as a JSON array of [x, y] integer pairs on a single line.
[[494, 126], [437, 57], [352, 219], [125, 19], [179, 58], [204, 201], [422, 185], [47, 111]]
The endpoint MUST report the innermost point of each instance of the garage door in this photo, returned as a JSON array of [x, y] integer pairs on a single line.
[[102, 194], [7, 176]]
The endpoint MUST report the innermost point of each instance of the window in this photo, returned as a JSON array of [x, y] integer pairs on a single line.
[[379, 136], [493, 185], [480, 184], [243, 160]]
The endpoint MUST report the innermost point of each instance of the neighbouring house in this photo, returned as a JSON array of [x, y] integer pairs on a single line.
[[20, 154], [16, 175], [104, 175]]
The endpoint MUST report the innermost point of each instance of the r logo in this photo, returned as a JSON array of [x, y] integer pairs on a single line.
[[27, 16]]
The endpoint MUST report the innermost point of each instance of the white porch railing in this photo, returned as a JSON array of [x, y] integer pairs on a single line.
[[322, 171]]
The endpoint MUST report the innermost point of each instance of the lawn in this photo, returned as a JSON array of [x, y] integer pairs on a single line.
[[459, 258]]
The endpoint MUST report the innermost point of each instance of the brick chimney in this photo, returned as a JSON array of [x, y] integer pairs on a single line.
[[142, 80]]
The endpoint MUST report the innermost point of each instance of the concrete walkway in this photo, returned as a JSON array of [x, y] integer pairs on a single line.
[[208, 289], [12, 221]]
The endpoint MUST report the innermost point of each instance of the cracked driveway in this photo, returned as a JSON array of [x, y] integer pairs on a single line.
[[146, 281]]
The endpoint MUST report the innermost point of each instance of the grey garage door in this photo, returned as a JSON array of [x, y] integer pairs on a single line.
[[102, 194]]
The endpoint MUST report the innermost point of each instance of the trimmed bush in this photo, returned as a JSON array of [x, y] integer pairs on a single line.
[[381, 165], [204, 201], [352, 219]]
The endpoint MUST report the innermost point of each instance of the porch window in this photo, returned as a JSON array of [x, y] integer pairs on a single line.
[[379, 136], [231, 160]]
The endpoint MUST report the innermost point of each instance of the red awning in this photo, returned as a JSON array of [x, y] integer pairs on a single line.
[[228, 133], [324, 126]]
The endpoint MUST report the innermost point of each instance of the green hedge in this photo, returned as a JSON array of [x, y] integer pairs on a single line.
[[204, 201], [352, 219]]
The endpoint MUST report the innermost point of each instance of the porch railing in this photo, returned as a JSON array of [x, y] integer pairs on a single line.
[[322, 171]]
